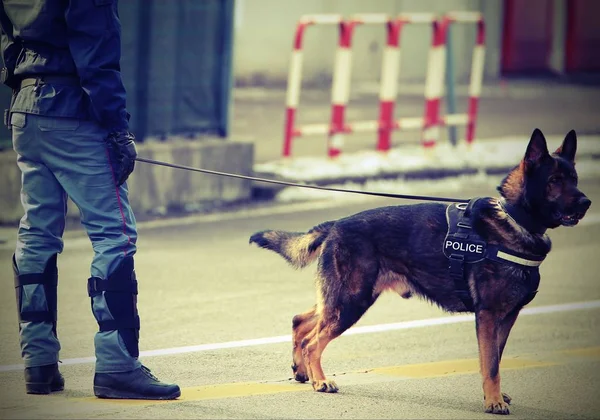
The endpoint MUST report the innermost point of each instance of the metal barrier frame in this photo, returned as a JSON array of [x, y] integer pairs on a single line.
[[431, 121]]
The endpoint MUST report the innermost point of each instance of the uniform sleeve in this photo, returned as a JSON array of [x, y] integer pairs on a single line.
[[94, 36], [10, 50]]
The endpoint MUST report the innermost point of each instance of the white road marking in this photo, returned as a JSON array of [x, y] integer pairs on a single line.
[[367, 329]]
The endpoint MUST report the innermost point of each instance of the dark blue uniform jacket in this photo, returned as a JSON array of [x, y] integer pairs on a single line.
[[79, 38]]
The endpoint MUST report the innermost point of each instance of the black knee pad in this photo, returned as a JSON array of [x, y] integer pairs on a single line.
[[120, 292], [48, 279]]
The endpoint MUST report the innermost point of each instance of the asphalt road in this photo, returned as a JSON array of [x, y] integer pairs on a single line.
[[216, 315]]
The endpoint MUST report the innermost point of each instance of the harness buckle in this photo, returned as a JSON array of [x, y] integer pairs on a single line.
[[456, 266]]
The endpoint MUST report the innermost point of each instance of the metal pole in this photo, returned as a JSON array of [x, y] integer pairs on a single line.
[[450, 93]]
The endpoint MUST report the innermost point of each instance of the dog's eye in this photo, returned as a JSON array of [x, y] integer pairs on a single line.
[[555, 180]]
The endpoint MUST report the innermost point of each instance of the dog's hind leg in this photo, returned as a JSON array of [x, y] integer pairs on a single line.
[[302, 324], [330, 325], [313, 346], [345, 290]]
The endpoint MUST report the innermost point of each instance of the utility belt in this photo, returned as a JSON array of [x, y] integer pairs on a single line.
[[50, 80], [33, 81]]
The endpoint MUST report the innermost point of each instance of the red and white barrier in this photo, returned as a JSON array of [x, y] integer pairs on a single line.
[[295, 81], [434, 84], [430, 123], [340, 92]]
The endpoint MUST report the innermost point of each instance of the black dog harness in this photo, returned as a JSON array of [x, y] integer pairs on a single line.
[[463, 245]]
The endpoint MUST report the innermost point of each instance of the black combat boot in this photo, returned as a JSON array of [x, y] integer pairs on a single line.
[[43, 379], [138, 384], [120, 292]]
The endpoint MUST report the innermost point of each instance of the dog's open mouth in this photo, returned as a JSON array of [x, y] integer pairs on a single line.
[[570, 219]]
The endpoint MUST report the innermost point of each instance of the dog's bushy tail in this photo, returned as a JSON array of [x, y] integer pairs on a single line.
[[298, 248]]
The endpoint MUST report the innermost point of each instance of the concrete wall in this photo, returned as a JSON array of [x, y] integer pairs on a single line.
[[264, 31], [155, 189]]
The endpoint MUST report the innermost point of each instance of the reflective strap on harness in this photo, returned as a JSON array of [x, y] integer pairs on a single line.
[[517, 260], [502, 254]]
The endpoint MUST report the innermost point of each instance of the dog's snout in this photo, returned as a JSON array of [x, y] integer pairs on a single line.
[[584, 203]]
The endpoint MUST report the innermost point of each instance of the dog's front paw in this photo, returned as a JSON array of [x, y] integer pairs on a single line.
[[325, 386], [507, 399], [497, 405]]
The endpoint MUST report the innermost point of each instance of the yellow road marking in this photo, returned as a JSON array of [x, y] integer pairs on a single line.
[[592, 352], [414, 371], [214, 392], [454, 367]]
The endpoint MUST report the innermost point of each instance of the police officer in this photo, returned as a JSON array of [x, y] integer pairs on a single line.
[[70, 131]]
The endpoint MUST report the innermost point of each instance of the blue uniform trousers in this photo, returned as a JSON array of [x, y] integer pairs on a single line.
[[60, 158]]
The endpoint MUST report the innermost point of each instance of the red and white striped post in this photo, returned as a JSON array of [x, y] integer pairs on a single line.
[[388, 89], [295, 76], [340, 91], [389, 79], [434, 83], [477, 67]]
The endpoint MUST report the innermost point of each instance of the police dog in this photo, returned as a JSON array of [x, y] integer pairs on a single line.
[[400, 249]]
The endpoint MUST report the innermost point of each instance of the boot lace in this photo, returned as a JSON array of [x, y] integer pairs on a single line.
[[148, 373]]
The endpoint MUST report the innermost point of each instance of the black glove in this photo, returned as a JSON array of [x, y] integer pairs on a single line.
[[122, 146]]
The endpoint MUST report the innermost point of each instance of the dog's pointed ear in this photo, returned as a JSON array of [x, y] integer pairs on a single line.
[[537, 148], [569, 147]]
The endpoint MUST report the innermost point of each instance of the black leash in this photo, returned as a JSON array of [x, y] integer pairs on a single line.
[[293, 184]]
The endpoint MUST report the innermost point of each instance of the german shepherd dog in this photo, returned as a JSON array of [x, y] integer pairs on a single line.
[[399, 249]]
